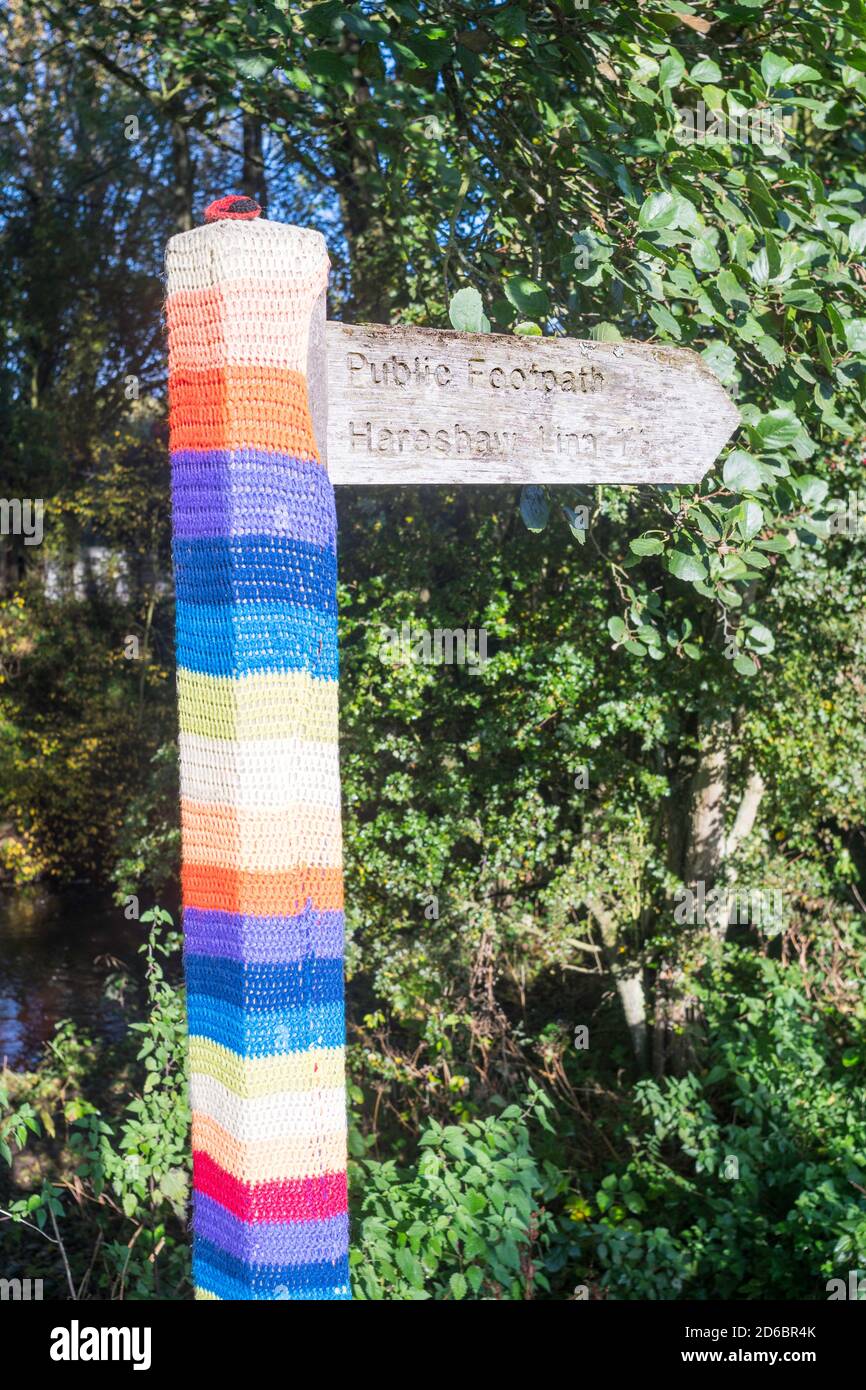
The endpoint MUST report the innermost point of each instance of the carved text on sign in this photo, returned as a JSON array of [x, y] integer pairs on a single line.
[[422, 405], [417, 371], [460, 442]]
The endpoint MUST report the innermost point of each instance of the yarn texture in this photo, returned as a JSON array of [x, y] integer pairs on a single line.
[[254, 539]]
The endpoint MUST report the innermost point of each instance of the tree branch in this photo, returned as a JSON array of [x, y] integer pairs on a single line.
[[747, 812]]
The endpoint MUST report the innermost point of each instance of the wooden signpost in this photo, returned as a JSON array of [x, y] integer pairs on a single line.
[[255, 565], [421, 405]]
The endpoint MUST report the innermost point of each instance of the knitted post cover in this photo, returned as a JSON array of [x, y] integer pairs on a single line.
[[255, 571]]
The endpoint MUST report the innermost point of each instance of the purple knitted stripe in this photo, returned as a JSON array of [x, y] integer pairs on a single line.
[[263, 940], [270, 1242], [249, 492]]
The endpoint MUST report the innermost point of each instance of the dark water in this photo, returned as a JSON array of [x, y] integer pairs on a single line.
[[56, 951]]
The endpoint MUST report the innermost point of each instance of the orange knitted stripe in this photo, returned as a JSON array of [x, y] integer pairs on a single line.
[[262, 894], [195, 319], [269, 1160], [261, 841], [238, 321], [241, 408]]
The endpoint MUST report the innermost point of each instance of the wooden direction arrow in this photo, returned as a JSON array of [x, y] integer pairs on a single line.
[[421, 405]]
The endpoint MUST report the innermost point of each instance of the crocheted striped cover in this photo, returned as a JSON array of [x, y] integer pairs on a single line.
[[255, 572]]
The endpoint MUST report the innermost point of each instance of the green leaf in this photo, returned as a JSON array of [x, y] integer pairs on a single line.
[[527, 297], [174, 1185], [595, 247], [605, 333], [754, 559], [646, 545], [770, 350], [320, 19], [731, 290], [687, 214], [534, 507], [774, 255], [671, 71], [836, 321], [857, 234], [591, 276], [708, 529], [722, 360], [773, 68], [800, 72], [742, 472], [812, 490], [685, 565], [457, 1284], [466, 312], [706, 71], [855, 335], [410, 1267], [704, 255], [432, 53], [778, 428], [366, 27], [617, 629], [658, 211], [760, 639], [745, 665], [665, 321], [750, 519], [806, 300], [777, 545], [257, 66]]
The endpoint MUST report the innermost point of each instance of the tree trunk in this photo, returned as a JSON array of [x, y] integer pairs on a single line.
[[747, 813], [629, 987], [627, 978], [182, 176], [677, 1021], [253, 177], [375, 262], [701, 854], [705, 841]]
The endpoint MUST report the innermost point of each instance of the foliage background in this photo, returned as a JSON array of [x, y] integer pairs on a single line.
[[676, 691]]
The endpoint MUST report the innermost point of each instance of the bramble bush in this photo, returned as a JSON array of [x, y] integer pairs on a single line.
[[748, 1180], [468, 1220]]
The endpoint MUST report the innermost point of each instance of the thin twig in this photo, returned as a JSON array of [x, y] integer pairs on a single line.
[[72, 1293], [83, 1285], [10, 1216]]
